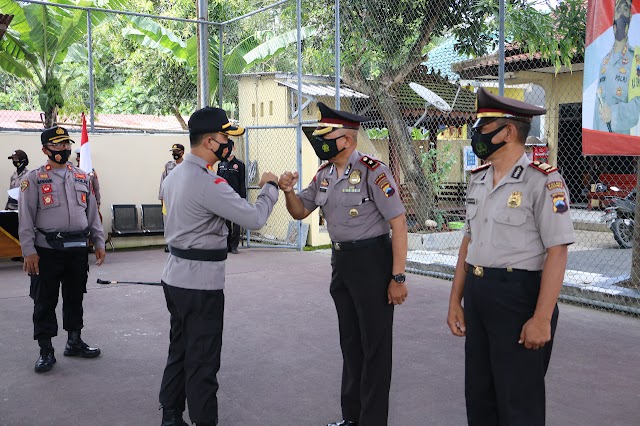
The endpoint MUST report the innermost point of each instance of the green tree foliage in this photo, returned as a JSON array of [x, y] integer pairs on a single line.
[[36, 45]]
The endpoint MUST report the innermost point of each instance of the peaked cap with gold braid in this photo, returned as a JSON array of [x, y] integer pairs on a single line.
[[331, 119], [490, 107], [55, 135]]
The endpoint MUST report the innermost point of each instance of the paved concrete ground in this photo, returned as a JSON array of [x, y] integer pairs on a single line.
[[281, 361]]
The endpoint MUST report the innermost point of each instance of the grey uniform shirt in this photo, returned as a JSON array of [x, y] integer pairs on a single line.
[[15, 183], [357, 204], [197, 202], [56, 201], [167, 168], [513, 224]]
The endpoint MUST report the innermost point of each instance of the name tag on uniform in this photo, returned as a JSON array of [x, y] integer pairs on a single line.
[[471, 200], [351, 189]]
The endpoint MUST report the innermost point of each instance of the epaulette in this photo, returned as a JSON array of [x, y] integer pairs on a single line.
[[323, 166], [543, 167], [371, 163], [481, 168]]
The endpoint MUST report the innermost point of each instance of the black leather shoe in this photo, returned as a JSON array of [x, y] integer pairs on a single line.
[[344, 423], [76, 347], [46, 360], [234, 250], [172, 418]]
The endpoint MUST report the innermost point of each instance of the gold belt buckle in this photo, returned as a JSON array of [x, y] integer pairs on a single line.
[[478, 271]]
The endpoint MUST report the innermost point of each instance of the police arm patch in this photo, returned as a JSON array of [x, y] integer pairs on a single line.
[[24, 185]]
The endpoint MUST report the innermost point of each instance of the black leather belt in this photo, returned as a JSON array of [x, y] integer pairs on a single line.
[[484, 272], [352, 245], [198, 254]]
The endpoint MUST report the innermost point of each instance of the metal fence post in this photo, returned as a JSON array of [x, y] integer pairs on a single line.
[[337, 43], [92, 101], [203, 54]]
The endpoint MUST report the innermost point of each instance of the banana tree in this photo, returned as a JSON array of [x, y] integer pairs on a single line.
[[252, 50], [36, 45]]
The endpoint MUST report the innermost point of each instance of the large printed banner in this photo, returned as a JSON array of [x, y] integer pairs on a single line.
[[611, 98]]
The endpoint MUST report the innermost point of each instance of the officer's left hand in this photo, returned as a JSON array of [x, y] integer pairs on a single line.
[[535, 333], [396, 292], [100, 255], [605, 113]]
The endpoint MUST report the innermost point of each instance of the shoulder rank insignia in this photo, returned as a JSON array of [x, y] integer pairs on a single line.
[[481, 168], [323, 166], [543, 167], [370, 162]]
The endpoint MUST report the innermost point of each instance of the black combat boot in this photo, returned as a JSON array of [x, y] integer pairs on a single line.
[[172, 418], [76, 347], [47, 359]]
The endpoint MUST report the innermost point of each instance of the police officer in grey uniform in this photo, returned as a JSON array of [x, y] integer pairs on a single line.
[[197, 203], [177, 152], [510, 268], [361, 204], [618, 93], [58, 214], [20, 162]]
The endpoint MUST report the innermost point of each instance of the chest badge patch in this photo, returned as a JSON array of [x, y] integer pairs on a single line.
[[47, 199], [324, 185], [84, 197], [353, 212], [559, 202], [235, 166], [46, 188], [24, 185], [355, 177], [515, 199], [43, 175]]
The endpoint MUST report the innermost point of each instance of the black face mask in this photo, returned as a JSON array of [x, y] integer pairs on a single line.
[[481, 143], [177, 156], [60, 157], [17, 164], [620, 27], [219, 152], [326, 148]]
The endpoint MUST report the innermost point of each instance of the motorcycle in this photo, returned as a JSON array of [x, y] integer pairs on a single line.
[[619, 217]]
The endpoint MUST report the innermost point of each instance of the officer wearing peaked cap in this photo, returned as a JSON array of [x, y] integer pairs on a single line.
[[197, 203], [360, 201], [177, 152], [57, 215], [20, 162], [510, 268]]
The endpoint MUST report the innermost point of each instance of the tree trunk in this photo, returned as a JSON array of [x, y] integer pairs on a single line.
[[176, 113], [420, 188]]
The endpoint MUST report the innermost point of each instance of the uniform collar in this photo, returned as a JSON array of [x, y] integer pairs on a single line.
[[194, 159], [517, 172]]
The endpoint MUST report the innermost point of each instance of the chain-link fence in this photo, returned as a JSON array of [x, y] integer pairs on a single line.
[[412, 66]]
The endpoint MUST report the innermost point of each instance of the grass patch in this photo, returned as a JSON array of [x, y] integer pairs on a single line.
[[313, 248]]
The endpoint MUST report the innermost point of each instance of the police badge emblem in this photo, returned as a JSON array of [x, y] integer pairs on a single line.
[[515, 199], [355, 177]]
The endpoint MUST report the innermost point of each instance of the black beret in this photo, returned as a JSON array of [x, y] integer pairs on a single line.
[[491, 107], [212, 120], [54, 135]]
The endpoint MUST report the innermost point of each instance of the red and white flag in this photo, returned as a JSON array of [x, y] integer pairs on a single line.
[[85, 152]]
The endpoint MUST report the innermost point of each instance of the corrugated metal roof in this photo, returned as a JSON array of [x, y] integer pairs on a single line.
[[319, 89]]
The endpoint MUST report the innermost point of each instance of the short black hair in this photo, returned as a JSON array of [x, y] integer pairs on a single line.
[[196, 140], [522, 127]]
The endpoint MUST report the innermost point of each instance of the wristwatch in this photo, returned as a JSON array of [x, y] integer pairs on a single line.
[[399, 278], [273, 183]]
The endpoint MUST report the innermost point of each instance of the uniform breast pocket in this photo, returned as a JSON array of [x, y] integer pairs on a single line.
[[321, 198], [509, 232], [82, 193], [472, 210], [353, 208]]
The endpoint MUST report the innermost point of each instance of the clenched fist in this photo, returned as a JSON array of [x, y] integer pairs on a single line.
[[288, 181], [266, 177]]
